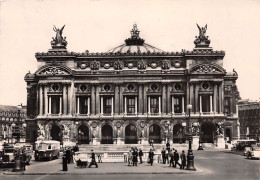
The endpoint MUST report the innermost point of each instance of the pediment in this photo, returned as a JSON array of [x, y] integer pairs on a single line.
[[207, 69], [54, 70]]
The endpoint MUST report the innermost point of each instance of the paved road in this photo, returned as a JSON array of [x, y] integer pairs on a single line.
[[215, 166]]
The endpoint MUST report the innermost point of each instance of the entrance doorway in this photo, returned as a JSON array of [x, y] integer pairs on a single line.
[[83, 134], [107, 134], [55, 133], [130, 134], [208, 131], [155, 133], [178, 134]]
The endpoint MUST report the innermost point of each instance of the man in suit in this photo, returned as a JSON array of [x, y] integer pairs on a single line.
[[93, 159], [176, 158], [141, 155], [151, 154], [163, 156]]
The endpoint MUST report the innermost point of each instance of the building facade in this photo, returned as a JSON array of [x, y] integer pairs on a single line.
[[131, 94], [249, 119], [12, 123]]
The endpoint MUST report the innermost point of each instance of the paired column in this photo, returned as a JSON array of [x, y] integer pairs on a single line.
[[183, 107], [41, 100], [45, 100], [102, 105], [88, 106], [49, 112], [149, 103], [135, 105], [200, 104], [112, 106], [65, 99], [215, 98], [160, 111], [93, 100], [210, 101], [221, 98], [117, 105], [77, 105], [168, 98], [125, 112], [163, 99], [140, 96], [98, 100], [172, 104], [196, 106], [191, 97], [60, 112]]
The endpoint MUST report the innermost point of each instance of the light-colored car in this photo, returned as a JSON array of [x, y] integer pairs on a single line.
[[254, 152]]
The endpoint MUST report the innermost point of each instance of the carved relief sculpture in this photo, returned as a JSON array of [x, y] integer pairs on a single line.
[[94, 65], [166, 64], [141, 65], [54, 71], [118, 65]]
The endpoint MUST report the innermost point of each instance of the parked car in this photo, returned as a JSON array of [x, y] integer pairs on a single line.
[[254, 152]]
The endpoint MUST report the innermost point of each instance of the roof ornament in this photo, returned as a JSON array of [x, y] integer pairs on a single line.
[[59, 41], [135, 39], [202, 40], [135, 32]]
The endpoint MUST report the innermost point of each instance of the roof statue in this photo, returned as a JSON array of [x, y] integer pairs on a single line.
[[59, 41], [202, 40], [135, 44]]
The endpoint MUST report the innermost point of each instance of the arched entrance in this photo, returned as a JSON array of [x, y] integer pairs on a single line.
[[55, 133], [155, 133], [178, 134], [83, 134], [107, 134], [130, 134], [207, 132]]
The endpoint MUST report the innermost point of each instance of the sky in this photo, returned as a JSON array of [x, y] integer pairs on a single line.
[[26, 27]]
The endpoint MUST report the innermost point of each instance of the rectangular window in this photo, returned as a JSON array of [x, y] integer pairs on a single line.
[[205, 103], [107, 105], [83, 105], [177, 104], [154, 104], [130, 105], [55, 104]]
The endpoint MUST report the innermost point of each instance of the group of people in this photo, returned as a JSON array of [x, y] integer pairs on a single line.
[[172, 157], [133, 156]]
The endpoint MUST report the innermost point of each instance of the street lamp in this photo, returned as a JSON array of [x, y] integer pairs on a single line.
[[190, 156], [183, 131]]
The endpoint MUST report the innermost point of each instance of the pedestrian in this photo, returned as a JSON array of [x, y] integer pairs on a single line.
[[129, 155], [163, 155], [141, 155], [167, 157], [176, 158], [168, 146], [64, 163], [171, 158], [183, 160], [68, 155], [23, 163], [151, 154], [99, 158], [93, 159], [135, 154]]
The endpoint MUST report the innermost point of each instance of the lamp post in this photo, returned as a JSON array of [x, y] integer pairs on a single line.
[[183, 131], [190, 156]]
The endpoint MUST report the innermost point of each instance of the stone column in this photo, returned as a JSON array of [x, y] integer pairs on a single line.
[[102, 105], [49, 112], [77, 105], [168, 98], [140, 97], [45, 100], [215, 98], [196, 108], [135, 105], [93, 109], [163, 99], [149, 108], [231, 105], [188, 94], [160, 110], [191, 97], [64, 99], [221, 98], [183, 107], [112, 106], [117, 105], [125, 112], [98, 100], [88, 106], [41, 100], [210, 106], [145, 98], [121, 99], [72, 99], [200, 104], [60, 106], [172, 104]]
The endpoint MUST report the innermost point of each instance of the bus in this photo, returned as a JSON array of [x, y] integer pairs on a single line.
[[48, 150]]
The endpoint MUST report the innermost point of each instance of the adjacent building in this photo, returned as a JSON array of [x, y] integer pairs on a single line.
[[12, 123], [131, 94], [249, 118]]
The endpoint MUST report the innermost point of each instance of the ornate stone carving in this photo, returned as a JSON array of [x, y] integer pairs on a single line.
[[54, 71], [59, 41], [206, 68], [66, 131], [166, 64], [118, 65], [141, 65], [95, 65], [220, 128]]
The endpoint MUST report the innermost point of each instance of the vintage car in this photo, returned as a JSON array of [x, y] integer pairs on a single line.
[[48, 149], [254, 152]]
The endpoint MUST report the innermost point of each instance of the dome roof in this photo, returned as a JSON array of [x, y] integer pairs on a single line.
[[135, 44]]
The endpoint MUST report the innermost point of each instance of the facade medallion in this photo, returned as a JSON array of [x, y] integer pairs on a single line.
[[83, 66], [130, 65], [118, 124], [177, 64], [153, 65], [83, 87], [55, 87], [177, 86], [94, 124], [106, 65]]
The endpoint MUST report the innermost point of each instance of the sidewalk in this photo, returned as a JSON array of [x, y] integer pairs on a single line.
[[55, 168]]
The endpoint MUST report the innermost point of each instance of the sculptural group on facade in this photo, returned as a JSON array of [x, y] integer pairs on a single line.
[[59, 40], [202, 38]]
